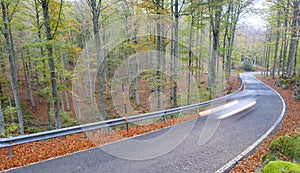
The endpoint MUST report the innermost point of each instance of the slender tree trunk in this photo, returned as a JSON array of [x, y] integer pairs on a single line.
[[28, 81], [62, 102], [137, 93], [25, 69], [216, 24], [159, 56], [172, 57], [13, 48], [286, 44], [11, 58], [105, 62], [234, 20], [280, 58], [276, 44], [294, 40], [95, 17], [2, 123], [190, 58], [48, 111], [45, 6], [176, 53], [197, 43], [67, 96], [269, 38], [3, 69], [66, 81], [39, 32]]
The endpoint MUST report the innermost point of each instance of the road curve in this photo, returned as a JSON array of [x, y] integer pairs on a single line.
[[234, 137]]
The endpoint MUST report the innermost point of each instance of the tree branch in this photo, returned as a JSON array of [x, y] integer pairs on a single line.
[[58, 18], [98, 8], [13, 12], [1, 29]]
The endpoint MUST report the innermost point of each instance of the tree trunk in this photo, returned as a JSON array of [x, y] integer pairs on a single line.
[[11, 58], [269, 38], [294, 40], [45, 6], [171, 56], [234, 20], [190, 58], [3, 69], [2, 123], [66, 81], [95, 17], [39, 32], [27, 78], [137, 93], [215, 23], [276, 44], [176, 54], [158, 49]]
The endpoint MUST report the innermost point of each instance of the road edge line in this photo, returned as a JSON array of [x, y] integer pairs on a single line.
[[234, 161]]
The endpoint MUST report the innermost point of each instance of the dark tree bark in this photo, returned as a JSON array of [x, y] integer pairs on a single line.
[[176, 54]]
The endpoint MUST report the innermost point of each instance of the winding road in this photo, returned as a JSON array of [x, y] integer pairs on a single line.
[[232, 137]]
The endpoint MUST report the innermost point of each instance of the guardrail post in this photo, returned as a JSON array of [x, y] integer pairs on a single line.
[[125, 108], [165, 119], [9, 152], [108, 131], [127, 127], [197, 111]]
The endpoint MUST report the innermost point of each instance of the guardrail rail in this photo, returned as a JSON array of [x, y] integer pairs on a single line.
[[13, 141]]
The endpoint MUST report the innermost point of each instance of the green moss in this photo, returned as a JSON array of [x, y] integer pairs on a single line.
[[287, 145], [281, 166], [67, 120], [12, 129], [204, 94], [31, 130]]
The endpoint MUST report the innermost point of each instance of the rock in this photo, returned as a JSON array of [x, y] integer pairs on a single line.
[[296, 97], [277, 83], [284, 87], [296, 94]]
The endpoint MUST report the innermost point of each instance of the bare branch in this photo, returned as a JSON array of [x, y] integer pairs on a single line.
[[58, 18], [13, 12], [1, 29]]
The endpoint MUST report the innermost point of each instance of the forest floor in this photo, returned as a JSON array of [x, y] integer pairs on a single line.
[[290, 124]]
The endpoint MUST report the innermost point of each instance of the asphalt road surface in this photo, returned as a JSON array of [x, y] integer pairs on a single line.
[[212, 142]]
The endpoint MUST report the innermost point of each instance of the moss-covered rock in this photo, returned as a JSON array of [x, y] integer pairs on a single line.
[[280, 167], [289, 146]]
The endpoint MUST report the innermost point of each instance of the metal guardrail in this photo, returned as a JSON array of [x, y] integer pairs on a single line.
[[12, 141]]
